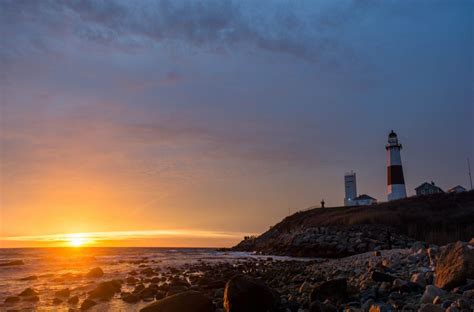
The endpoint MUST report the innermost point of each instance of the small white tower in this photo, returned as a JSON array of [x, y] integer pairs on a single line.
[[351, 188], [395, 181]]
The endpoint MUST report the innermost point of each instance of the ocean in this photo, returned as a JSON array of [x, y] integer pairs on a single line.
[[48, 270]]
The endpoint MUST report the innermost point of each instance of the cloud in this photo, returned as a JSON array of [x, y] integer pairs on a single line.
[[307, 29]]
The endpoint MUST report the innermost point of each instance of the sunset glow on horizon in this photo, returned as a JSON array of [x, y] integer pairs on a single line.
[[151, 238]]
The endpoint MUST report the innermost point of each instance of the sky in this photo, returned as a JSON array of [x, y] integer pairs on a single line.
[[194, 123]]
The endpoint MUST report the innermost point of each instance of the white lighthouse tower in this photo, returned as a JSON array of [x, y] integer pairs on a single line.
[[351, 188], [395, 181]]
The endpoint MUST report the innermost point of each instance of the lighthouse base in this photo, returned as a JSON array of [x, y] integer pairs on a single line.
[[396, 191]]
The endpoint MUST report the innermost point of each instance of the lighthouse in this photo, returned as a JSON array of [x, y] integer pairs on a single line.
[[395, 181]]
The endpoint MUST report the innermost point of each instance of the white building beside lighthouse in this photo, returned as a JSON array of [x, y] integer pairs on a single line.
[[395, 181]]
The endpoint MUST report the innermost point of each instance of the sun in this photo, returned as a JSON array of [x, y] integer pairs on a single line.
[[77, 240]]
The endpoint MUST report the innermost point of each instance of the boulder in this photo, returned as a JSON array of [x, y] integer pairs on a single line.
[[381, 307], [130, 297], [418, 278], [429, 307], [317, 306], [189, 301], [73, 300], [105, 290], [455, 265], [381, 277], [95, 272], [87, 304], [63, 293], [12, 299], [333, 289], [28, 292], [29, 278], [12, 263], [246, 294], [431, 292], [305, 288], [32, 298]]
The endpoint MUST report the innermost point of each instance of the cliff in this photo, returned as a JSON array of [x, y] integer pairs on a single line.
[[344, 231]]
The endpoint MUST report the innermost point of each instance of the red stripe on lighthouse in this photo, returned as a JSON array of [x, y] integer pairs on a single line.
[[395, 175]]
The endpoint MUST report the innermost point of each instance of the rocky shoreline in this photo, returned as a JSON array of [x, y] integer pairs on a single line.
[[334, 241], [420, 278]]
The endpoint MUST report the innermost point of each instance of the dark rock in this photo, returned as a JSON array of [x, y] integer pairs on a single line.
[[73, 300], [12, 263], [429, 307], [190, 301], [12, 299], [160, 295], [95, 272], [334, 289], [130, 297], [57, 301], [63, 293], [131, 280], [32, 298], [246, 294], [29, 278], [455, 265], [381, 307], [381, 277], [105, 290], [317, 306], [87, 304], [370, 293], [28, 292], [149, 292]]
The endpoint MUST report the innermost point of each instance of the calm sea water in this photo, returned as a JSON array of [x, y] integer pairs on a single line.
[[52, 265]]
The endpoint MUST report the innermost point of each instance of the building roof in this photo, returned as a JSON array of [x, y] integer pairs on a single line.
[[457, 187], [430, 185], [392, 134], [364, 196]]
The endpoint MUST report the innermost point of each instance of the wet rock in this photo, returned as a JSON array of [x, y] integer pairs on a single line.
[[149, 292], [147, 272], [63, 293], [12, 299], [190, 301], [381, 307], [106, 290], [73, 300], [429, 307], [381, 277], [305, 288], [318, 306], [28, 292], [32, 298], [131, 280], [246, 294], [12, 263], [431, 292], [87, 304], [130, 297], [419, 279], [29, 278], [455, 265], [95, 272], [333, 289]]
